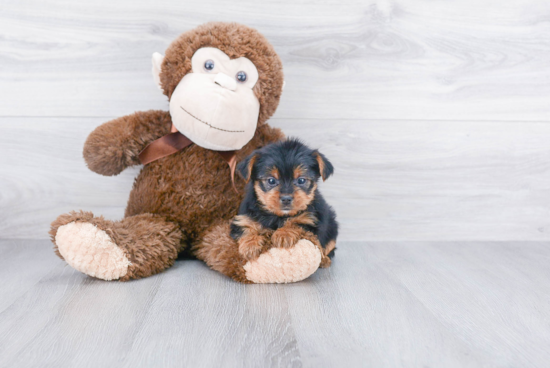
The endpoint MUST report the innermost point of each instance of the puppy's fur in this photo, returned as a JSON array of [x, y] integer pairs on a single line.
[[282, 199]]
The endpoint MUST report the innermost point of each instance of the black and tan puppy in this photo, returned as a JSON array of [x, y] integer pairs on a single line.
[[282, 199]]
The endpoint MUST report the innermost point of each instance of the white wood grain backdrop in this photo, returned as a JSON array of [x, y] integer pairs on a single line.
[[435, 114]]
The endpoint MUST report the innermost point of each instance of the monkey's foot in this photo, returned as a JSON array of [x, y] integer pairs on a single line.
[[284, 265], [134, 247], [90, 250]]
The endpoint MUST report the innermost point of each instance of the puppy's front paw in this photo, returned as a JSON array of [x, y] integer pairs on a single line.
[[250, 246], [286, 236]]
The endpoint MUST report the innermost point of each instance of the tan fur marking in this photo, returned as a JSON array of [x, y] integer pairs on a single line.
[[305, 218], [253, 239], [286, 236], [275, 173], [250, 245], [330, 246], [321, 165], [271, 200], [302, 200], [249, 168], [247, 222], [299, 171], [326, 261], [290, 233]]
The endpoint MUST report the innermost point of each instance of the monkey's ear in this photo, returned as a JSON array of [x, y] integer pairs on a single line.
[[245, 166], [325, 167], [157, 63]]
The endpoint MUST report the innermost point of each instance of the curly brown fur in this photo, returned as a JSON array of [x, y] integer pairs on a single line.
[[220, 252], [115, 145], [192, 187], [149, 242]]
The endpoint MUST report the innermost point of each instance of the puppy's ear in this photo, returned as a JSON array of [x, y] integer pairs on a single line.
[[245, 166], [325, 167]]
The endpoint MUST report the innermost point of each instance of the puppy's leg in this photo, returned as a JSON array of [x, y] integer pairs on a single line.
[[293, 230], [328, 253], [296, 229], [250, 236]]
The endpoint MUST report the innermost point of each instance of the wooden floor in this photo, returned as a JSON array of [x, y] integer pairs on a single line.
[[382, 304]]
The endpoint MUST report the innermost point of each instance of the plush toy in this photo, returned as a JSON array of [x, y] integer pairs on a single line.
[[223, 81]]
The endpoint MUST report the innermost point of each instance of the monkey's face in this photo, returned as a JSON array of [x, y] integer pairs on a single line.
[[214, 105]]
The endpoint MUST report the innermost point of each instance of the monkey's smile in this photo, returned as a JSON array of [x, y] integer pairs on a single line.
[[210, 125]]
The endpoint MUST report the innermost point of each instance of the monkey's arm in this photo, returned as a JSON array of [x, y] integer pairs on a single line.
[[115, 145]]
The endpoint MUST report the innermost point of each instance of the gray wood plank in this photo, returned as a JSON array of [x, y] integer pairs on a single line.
[[211, 321], [492, 295], [69, 319], [384, 304], [22, 264], [358, 315], [464, 60], [394, 180]]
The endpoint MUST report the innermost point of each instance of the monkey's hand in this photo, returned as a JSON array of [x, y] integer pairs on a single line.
[[115, 145]]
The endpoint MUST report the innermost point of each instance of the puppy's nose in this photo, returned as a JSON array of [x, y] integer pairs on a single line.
[[286, 200], [226, 81]]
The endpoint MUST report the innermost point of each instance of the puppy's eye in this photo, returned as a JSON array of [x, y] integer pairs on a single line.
[[209, 64], [301, 181], [241, 76], [271, 181]]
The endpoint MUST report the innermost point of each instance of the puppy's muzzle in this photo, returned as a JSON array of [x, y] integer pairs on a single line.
[[286, 200]]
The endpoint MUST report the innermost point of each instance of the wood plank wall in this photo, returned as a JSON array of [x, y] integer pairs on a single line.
[[435, 114]]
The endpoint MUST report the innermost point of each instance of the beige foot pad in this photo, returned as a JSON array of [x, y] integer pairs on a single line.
[[280, 265], [91, 251]]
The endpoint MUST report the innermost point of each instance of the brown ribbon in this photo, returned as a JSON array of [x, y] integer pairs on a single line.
[[164, 146], [174, 142]]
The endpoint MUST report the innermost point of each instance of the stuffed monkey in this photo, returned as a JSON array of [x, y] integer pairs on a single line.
[[223, 81]]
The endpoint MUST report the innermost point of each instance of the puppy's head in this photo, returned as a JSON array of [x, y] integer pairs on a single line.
[[285, 175]]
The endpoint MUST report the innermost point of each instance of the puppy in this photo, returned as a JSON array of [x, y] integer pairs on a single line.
[[282, 202]]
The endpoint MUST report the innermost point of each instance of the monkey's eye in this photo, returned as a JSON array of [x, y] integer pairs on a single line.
[[209, 64], [301, 181], [241, 76], [271, 181]]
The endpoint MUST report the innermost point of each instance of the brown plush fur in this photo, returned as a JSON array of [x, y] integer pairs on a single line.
[[219, 251], [193, 187], [115, 145], [176, 199]]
